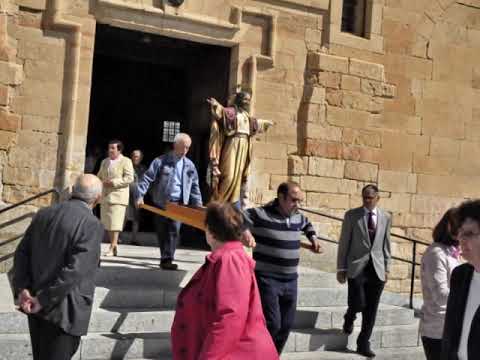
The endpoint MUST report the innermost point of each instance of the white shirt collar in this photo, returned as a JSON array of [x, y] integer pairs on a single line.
[[374, 211]]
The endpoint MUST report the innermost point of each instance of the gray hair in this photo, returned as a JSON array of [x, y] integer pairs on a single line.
[[182, 137], [87, 188]]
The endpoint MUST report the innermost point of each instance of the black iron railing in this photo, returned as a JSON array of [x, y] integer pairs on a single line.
[[412, 262], [30, 199], [20, 218]]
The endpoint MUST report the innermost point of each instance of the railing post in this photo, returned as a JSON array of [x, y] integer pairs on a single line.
[[412, 279]]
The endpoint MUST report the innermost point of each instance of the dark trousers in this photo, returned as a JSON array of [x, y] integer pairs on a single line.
[[168, 234], [49, 342], [279, 303], [432, 348], [364, 293]]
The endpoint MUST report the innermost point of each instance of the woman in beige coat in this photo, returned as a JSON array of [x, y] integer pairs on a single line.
[[116, 173]]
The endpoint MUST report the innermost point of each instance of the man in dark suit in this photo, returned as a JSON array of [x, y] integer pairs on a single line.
[[364, 258], [461, 333], [54, 269]]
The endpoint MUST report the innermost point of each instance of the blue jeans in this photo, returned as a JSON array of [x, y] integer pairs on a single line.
[[168, 235], [279, 303]]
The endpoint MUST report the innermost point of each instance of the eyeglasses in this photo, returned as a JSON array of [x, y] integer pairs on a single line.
[[467, 235]]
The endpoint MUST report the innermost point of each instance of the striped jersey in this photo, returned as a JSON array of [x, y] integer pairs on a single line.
[[277, 252]]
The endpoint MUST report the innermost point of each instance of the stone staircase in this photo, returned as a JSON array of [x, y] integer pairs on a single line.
[[134, 309]]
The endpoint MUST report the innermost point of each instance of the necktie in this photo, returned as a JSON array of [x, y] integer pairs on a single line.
[[371, 227]]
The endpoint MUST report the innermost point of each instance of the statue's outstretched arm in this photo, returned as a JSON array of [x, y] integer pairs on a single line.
[[216, 108]]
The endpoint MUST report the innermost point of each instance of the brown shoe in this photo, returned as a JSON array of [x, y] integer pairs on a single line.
[[168, 265]]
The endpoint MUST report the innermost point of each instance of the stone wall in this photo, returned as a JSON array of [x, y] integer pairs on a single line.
[[399, 107]]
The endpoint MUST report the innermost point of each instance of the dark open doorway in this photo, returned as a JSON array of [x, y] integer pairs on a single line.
[[146, 87]]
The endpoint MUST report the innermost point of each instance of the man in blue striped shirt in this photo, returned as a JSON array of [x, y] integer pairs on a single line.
[[277, 228]]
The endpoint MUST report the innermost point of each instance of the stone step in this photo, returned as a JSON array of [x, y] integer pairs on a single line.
[[151, 275], [332, 316], [156, 297], [126, 320], [139, 266], [142, 297], [408, 353], [415, 353], [306, 340], [133, 345]]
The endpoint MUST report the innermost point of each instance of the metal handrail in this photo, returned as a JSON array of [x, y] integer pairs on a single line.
[[13, 206], [414, 242], [27, 200]]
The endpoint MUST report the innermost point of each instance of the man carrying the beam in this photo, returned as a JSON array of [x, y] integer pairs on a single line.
[[277, 228], [172, 178]]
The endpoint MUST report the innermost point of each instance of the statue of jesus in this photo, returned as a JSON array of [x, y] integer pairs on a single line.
[[230, 147]]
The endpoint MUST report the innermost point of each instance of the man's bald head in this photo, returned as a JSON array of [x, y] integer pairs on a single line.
[[87, 188]]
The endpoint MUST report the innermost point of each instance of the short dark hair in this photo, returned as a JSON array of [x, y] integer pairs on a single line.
[[242, 95], [469, 209], [224, 221], [118, 142], [371, 187], [140, 151], [441, 233], [286, 186]]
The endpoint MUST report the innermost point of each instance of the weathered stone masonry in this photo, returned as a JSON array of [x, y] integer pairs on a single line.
[[399, 107]]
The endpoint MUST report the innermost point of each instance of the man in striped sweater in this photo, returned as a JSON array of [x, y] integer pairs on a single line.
[[277, 228]]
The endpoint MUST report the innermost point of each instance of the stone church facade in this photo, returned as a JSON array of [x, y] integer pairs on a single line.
[[382, 91]]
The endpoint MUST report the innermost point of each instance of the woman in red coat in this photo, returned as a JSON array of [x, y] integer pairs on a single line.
[[219, 314]]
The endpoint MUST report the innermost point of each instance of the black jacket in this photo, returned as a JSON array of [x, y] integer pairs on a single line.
[[57, 260], [457, 302]]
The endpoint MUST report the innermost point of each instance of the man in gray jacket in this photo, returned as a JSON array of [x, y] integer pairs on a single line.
[[364, 258], [172, 178], [54, 270]]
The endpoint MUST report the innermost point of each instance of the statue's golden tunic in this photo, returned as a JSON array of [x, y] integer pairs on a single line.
[[230, 149]]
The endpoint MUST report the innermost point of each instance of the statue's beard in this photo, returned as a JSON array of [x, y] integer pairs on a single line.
[[244, 107]]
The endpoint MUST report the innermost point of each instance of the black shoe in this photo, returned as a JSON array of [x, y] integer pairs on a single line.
[[365, 351], [348, 325], [168, 265]]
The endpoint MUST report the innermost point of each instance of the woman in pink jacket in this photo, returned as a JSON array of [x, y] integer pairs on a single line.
[[219, 314]]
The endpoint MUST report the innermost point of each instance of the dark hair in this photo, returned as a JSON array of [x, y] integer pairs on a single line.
[[242, 95], [469, 209], [441, 233], [118, 142], [286, 186], [224, 221], [372, 187]]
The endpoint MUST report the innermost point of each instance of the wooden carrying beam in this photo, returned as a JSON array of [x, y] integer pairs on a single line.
[[194, 217]]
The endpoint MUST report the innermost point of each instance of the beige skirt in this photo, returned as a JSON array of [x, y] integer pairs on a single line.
[[112, 216]]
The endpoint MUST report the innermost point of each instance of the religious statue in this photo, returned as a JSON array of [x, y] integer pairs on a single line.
[[230, 147]]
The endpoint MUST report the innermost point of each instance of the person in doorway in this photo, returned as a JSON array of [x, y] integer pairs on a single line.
[[461, 332], [219, 313], [277, 228], [438, 262], [230, 147], [173, 178], [364, 259], [133, 212], [116, 173], [54, 270]]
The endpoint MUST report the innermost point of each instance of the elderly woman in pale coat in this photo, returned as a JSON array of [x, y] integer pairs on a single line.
[[438, 262], [116, 173]]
